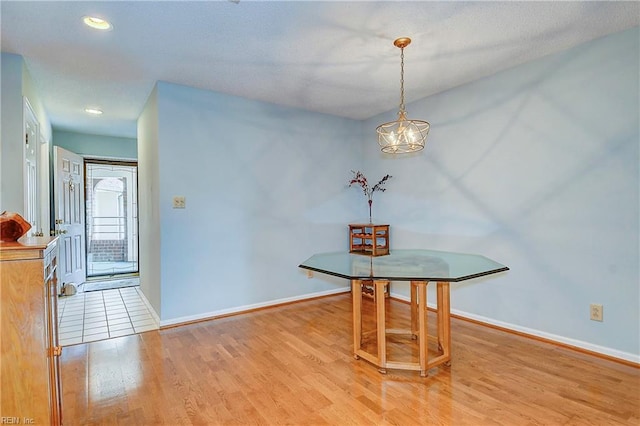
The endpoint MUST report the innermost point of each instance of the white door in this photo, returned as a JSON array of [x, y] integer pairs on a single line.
[[68, 184], [31, 183]]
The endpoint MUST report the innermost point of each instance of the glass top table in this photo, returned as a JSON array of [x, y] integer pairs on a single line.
[[404, 265], [419, 267]]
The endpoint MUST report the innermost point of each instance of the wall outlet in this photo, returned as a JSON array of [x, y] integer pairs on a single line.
[[179, 203], [596, 312]]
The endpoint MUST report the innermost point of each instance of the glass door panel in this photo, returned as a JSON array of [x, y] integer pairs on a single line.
[[112, 218]]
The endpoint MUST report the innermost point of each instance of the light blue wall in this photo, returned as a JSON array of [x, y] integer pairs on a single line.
[[148, 203], [11, 176], [30, 91], [536, 167], [16, 84], [265, 188], [96, 145]]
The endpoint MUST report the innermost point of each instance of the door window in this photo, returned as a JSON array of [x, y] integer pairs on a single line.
[[112, 217]]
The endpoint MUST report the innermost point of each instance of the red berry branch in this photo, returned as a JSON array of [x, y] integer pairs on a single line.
[[360, 179]]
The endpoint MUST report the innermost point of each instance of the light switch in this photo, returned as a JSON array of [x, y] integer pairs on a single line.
[[179, 202]]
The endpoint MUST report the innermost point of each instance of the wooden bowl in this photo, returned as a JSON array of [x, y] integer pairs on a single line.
[[12, 226]]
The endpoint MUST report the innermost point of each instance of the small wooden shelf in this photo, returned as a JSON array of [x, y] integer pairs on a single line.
[[369, 239]]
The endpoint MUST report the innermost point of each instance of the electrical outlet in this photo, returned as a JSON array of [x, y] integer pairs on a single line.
[[179, 202], [596, 312]]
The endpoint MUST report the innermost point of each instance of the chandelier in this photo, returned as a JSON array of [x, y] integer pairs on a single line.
[[403, 135]]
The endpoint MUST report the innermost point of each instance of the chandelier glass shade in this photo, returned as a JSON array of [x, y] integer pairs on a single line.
[[403, 135]]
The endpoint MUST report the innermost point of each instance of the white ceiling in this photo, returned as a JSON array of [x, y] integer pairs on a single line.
[[330, 57]]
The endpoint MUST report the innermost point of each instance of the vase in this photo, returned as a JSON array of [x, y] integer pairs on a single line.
[[370, 202]]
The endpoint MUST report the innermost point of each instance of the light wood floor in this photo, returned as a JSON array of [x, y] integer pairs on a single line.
[[293, 365]]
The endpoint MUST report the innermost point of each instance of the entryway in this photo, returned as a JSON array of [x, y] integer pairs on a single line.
[[98, 315], [96, 218]]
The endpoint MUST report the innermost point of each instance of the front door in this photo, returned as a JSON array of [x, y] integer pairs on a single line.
[[69, 215]]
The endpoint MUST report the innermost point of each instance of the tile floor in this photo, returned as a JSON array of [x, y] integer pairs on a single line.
[[97, 315]]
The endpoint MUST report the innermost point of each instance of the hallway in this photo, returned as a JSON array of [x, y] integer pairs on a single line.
[[97, 315]]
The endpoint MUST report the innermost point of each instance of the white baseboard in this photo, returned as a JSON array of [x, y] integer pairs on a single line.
[[245, 308], [153, 312], [614, 353]]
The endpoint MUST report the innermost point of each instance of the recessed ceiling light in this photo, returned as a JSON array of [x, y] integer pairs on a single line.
[[93, 111], [97, 23]]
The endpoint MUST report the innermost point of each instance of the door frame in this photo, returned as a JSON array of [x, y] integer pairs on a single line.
[[31, 167], [112, 162]]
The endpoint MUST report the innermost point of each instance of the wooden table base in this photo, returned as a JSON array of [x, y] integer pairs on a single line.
[[418, 327]]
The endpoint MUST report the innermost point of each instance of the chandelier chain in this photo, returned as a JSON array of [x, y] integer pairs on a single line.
[[402, 79]]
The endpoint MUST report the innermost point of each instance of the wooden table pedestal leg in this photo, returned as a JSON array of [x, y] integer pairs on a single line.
[[414, 310], [422, 327], [381, 324], [444, 321], [419, 326], [356, 294]]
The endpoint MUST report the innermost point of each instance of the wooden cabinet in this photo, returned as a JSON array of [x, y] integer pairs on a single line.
[[29, 348], [369, 239]]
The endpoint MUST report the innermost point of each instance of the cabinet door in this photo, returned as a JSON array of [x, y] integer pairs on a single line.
[[54, 349], [24, 341]]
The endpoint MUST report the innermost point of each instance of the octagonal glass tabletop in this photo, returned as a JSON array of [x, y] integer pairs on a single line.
[[404, 265]]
